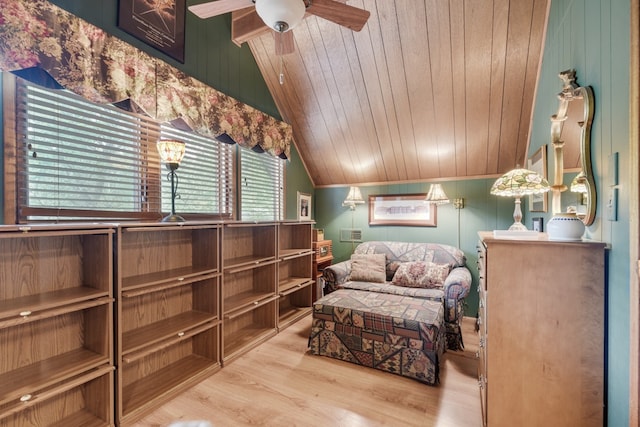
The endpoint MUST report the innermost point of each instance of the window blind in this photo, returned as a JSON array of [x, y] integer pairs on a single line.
[[78, 157], [205, 175], [83, 160], [261, 186]]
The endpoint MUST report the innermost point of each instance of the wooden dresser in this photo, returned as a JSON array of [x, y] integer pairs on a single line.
[[541, 325]]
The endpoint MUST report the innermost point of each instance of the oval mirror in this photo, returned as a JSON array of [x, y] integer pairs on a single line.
[[571, 139]]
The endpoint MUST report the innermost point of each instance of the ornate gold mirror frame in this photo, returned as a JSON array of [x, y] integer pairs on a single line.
[[583, 183]]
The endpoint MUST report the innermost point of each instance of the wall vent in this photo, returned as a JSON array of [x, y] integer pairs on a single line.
[[350, 235]]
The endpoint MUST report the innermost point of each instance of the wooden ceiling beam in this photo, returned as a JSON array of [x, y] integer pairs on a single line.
[[245, 25]]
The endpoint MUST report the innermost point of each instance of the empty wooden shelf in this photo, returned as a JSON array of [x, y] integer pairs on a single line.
[[249, 253], [295, 272], [168, 309], [56, 325]]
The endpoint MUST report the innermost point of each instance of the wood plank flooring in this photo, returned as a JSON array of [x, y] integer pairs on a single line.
[[281, 384]]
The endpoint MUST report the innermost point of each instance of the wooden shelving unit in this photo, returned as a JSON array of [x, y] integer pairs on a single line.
[[179, 299], [168, 293], [322, 258], [56, 325], [295, 275], [249, 299]]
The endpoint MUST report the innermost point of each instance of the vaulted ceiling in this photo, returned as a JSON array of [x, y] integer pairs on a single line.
[[428, 89]]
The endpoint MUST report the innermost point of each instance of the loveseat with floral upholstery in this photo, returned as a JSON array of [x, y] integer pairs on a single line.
[[394, 306]]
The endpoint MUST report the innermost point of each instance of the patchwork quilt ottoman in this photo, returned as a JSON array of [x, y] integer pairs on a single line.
[[394, 333]]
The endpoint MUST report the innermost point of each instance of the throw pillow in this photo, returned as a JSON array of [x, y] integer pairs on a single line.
[[368, 267], [421, 274]]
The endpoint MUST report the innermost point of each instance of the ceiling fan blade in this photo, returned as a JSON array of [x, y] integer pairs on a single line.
[[218, 7], [284, 43], [340, 13], [245, 25]]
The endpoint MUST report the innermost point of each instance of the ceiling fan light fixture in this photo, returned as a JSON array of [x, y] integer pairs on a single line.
[[281, 15]]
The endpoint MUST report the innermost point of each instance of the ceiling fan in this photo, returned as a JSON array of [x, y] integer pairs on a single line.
[[281, 16]]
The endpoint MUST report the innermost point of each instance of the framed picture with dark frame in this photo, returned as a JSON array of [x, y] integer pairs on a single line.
[[402, 209], [538, 163], [158, 23], [304, 206]]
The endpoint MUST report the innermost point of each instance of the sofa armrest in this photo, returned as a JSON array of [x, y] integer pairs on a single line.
[[335, 275], [456, 288], [458, 284]]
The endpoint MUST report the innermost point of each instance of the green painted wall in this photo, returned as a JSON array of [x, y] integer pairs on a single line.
[[593, 36], [297, 180], [482, 211]]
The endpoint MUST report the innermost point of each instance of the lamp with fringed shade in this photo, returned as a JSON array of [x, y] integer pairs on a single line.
[[354, 197], [436, 195], [517, 183]]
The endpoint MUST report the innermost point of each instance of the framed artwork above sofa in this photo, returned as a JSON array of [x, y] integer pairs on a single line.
[[402, 209]]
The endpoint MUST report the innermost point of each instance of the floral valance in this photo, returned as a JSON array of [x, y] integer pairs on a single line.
[[35, 34]]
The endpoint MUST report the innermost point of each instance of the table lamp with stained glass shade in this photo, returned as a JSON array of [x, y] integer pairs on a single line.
[[518, 183], [171, 152]]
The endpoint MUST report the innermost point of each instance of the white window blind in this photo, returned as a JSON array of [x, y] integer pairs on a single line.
[[261, 186], [78, 159], [78, 156]]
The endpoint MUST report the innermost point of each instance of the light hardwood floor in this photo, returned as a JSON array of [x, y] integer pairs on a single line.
[[281, 384]]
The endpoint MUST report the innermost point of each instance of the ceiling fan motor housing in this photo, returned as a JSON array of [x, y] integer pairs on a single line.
[[281, 15]]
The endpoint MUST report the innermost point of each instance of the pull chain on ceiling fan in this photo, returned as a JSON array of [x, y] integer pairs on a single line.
[[281, 16], [281, 76]]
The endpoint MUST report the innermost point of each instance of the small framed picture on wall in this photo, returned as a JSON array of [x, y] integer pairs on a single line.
[[304, 206]]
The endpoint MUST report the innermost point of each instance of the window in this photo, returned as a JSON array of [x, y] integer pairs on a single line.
[[78, 159], [75, 155], [204, 177], [261, 186]]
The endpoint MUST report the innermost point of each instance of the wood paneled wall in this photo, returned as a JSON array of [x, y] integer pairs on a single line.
[[593, 36]]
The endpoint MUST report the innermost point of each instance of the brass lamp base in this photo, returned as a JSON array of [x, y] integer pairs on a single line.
[[173, 218]]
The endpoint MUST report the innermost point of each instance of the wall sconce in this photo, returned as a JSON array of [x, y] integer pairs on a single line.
[[517, 183], [436, 195], [353, 198], [579, 183], [171, 153]]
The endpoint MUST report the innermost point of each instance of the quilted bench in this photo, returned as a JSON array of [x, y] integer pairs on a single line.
[[395, 306], [394, 333]]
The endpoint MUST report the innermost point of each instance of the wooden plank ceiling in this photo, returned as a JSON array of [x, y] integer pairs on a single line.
[[429, 89]]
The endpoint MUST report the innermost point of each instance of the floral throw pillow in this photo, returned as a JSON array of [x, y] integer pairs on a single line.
[[368, 267], [421, 274]]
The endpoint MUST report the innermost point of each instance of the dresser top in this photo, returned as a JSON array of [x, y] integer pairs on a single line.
[[530, 237]]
